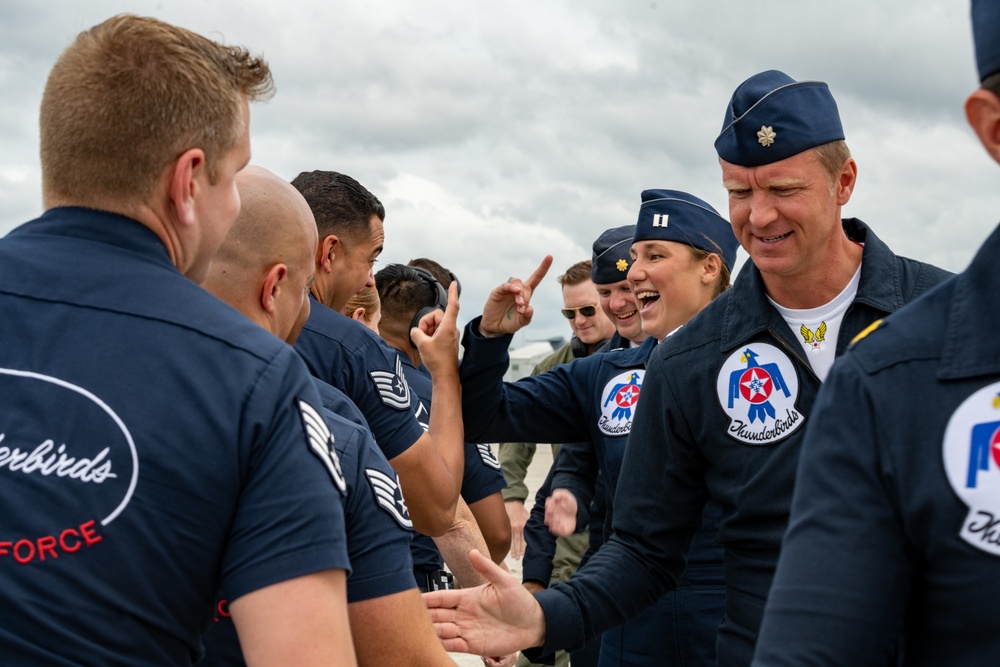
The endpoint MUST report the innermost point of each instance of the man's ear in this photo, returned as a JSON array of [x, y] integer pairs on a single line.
[[185, 186], [329, 251], [846, 180], [271, 286], [982, 110]]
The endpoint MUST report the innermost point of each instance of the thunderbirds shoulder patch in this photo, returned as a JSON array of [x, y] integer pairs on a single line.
[[758, 387]]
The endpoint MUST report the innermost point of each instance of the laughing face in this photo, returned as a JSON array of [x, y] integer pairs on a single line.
[[618, 303], [669, 283]]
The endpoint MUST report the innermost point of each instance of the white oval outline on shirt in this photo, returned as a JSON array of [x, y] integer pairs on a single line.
[[121, 425]]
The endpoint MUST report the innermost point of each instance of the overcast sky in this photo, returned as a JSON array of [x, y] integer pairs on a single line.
[[495, 133]]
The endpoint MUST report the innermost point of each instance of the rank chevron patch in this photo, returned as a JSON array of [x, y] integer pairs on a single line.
[[392, 387], [389, 496]]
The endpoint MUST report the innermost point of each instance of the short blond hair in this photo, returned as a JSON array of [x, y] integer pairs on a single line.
[[132, 94], [832, 156]]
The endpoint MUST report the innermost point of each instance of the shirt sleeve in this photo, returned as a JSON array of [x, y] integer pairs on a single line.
[[538, 408], [657, 511], [289, 520], [482, 476], [377, 531], [379, 388]]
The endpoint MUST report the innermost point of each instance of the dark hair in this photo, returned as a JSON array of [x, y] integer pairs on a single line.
[[341, 205], [404, 292]]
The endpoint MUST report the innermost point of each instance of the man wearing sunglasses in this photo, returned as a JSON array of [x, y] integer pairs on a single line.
[[592, 330]]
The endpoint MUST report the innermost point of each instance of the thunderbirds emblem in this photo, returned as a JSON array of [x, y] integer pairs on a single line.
[[971, 453], [758, 387], [620, 396]]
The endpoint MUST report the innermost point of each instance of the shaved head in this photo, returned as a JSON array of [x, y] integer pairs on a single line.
[[274, 239]]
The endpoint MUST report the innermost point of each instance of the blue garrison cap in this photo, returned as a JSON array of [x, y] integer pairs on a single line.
[[611, 255], [986, 35], [771, 116], [671, 215]]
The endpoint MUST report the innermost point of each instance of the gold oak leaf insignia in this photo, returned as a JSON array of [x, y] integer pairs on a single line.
[[766, 135], [622, 265]]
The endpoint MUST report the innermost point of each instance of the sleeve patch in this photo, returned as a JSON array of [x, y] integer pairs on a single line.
[[487, 455], [320, 441], [392, 387], [389, 496]]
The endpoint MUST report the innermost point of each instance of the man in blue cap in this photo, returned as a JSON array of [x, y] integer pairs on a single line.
[[680, 256], [892, 554], [735, 387]]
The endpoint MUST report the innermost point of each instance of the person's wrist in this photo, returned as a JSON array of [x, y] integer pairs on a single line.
[[487, 333]]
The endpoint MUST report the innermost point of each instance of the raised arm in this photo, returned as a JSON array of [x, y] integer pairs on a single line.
[[431, 470], [508, 308]]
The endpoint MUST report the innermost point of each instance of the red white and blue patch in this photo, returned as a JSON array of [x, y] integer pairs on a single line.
[[757, 388], [389, 496], [971, 452], [618, 402], [392, 387], [321, 443]]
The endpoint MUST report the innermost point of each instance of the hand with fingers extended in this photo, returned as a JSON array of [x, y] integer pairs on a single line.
[[436, 337], [497, 618], [508, 307], [560, 513]]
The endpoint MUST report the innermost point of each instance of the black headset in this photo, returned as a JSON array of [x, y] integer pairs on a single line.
[[441, 295]]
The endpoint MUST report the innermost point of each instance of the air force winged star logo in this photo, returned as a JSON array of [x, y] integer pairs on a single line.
[[971, 453], [814, 339], [321, 443], [392, 387], [620, 396], [389, 495], [757, 387]]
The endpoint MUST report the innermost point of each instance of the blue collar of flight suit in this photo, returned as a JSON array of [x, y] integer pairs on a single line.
[[748, 312], [970, 347], [631, 357]]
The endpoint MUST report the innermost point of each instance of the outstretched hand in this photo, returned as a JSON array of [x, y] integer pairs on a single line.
[[497, 618], [436, 336], [508, 307], [560, 513]]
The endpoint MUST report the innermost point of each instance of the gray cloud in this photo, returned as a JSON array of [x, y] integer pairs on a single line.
[[496, 133]]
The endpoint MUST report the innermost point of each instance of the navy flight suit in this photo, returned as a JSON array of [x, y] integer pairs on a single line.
[[732, 390], [893, 548], [595, 399]]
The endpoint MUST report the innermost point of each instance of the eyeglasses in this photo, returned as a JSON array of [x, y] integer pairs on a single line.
[[586, 311]]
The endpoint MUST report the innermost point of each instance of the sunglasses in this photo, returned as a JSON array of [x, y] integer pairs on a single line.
[[586, 311]]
